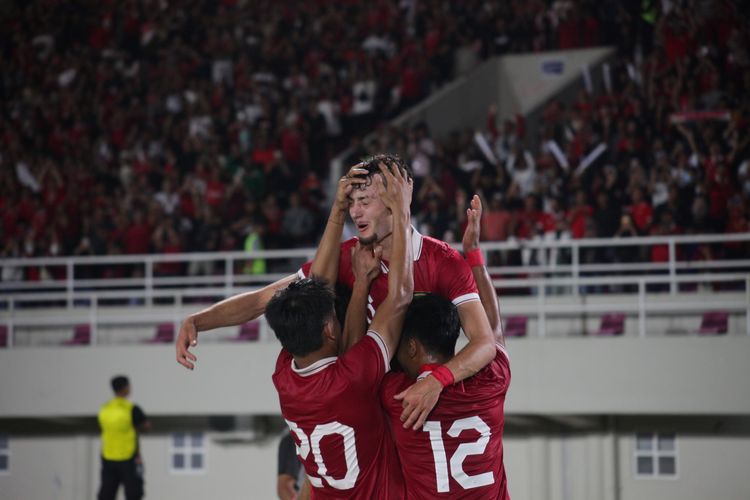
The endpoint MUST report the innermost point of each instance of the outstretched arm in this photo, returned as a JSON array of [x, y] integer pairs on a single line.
[[250, 305], [229, 312], [487, 293]]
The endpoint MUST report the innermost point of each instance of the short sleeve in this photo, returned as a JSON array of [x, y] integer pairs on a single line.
[[345, 276], [455, 280], [288, 463], [139, 418]]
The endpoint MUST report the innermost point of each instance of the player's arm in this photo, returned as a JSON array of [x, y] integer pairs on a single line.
[[305, 490], [235, 310], [480, 320], [285, 487], [326, 262], [473, 255], [419, 399], [365, 267], [395, 190]]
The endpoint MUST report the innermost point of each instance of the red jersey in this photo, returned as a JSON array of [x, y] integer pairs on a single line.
[[338, 425], [459, 451], [438, 268]]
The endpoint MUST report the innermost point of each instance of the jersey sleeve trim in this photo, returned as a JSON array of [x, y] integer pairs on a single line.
[[467, 297], [383, 348], [301, 274], [416, 243]]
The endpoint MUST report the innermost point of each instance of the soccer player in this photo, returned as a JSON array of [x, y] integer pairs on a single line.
[[459, 451], [330, 402], [438, 269]]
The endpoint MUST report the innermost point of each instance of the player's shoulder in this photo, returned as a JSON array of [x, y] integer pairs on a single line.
[[395, 380], [283, 361], [499, 367], [393, 383], [435, 248]]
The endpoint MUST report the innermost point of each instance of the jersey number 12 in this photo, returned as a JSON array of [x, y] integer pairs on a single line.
[[457, 460]]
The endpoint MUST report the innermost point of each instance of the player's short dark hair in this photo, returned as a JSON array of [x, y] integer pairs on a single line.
[[372, 164], [433, 321], [298, 313], [119, 383]]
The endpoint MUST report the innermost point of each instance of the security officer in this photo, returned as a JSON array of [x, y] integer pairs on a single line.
[[120, 421]]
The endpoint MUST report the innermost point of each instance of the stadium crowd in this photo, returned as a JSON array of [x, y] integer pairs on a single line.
[[145, 126]]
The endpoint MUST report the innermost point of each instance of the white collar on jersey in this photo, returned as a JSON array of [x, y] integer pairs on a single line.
[[314, 368], [416, 248]]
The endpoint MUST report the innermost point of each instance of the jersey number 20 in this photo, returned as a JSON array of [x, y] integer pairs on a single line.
[[463, 450], [350, 453]]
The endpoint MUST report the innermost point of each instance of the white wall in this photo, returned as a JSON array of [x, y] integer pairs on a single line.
[[541, 465], [625, 375]]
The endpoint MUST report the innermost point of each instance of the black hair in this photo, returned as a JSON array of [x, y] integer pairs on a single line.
[[119, 383], [372, 165], [298, 313], [433, 321]]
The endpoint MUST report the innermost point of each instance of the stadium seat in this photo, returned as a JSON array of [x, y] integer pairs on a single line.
[[164, 334], [515, 326], [612, 324], [81, 335], [714, 323], [3, 335], [248, 332]]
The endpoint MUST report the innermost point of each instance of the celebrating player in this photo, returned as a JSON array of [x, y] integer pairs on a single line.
[[330, 402], [438, 269], [459, 451]]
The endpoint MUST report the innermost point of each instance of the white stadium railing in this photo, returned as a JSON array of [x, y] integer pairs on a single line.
[[553, 281]]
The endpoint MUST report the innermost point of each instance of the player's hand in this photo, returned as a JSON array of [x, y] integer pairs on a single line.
[[187, 338], [353, 177], [418, 401], [366, 262], [394, 188], [473, 218]]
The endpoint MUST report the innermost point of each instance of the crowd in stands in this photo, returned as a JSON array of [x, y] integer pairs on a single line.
[[662, 148], [154, 126]]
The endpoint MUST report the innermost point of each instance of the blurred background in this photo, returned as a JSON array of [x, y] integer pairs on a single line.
[[158, 156]]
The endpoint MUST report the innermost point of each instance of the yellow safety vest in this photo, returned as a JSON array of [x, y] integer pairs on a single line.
[[119, 438]]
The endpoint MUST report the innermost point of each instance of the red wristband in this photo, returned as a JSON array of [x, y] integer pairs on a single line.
[[443, 375], [475, 257]]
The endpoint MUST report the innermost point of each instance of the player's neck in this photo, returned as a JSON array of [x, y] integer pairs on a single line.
[[314, 357], [427, 362], [387, 243]]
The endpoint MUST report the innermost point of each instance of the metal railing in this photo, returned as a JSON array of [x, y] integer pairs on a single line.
[[85, 297]]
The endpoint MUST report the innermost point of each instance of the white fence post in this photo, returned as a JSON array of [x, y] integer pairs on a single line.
[[70, 282], [541, 315], [575, 262], [642, 307], [149, 272], [672, 266], [94, 318]]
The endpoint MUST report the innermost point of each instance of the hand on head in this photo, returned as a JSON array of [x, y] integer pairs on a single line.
[[353, 178], [394, 188]]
